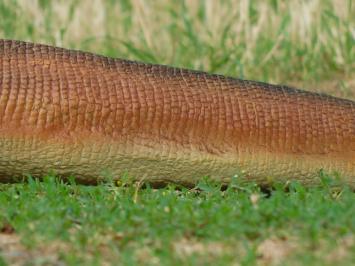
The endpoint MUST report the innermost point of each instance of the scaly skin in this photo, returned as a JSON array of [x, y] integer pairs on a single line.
[[85, 115]]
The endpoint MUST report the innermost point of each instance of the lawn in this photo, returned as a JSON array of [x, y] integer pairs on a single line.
[[51, 222], [309, 44]]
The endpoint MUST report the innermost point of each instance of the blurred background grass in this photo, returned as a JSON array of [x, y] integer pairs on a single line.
[[309, 44]]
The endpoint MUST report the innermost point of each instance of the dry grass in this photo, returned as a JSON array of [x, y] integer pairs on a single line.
[[277, 41]]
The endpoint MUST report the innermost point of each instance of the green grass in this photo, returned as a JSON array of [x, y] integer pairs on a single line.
[[304, 43], [95, 224]]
